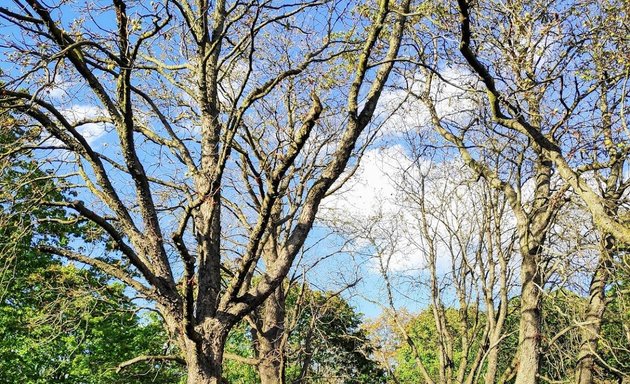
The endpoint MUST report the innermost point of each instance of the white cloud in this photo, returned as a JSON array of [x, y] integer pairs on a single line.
[[56, 92], [453, 101], [370, 208], [90, 131], [372, 190], [380, 207], [59, 89]]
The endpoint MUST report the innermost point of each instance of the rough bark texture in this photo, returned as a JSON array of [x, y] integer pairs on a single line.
[[595, 313], [529, 326], [202, 349], [532, 237], [204, 358], [270, 338]]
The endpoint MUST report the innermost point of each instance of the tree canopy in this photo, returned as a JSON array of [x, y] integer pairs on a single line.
[[213, 191]]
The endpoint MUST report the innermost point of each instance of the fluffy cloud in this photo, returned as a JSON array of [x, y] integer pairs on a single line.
[[405, 113], [372, 189], [380, 208], [370, 209], [90, 131]]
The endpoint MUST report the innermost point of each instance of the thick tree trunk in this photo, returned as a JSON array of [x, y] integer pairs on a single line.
[[270, 339], [595, 312], [204, 358], [204, 373], [529, 327], [271, 371]]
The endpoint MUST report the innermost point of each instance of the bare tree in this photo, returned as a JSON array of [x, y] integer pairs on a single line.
[[533, 215], [534, 93], [197, 180], [610, 99], [468, 232], [563, 60], [448, 238]]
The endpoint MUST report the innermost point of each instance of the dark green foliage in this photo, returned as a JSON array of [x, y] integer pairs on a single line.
[[240, 343], [326, 341], [339, 346], [615, 349]]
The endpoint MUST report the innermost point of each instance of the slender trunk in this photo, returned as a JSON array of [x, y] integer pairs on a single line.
[[270, 340], [495, 334], [307, 357], [494, 211], [529, 327], [510, 372], [595, 312], [493, 360], [532, 235]]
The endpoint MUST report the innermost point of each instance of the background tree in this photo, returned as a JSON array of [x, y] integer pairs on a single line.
[[58, 322], [324, 342], [441, 240], [522, 59], [558, 44]]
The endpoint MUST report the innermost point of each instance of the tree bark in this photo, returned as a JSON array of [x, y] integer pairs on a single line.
[[493, 360], [271, 352], [529, 326], [595, 312], [204, 358]]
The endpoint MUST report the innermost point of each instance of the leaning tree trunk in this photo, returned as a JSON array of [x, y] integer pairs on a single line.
[[529, 326], [269, 339], [595, 312]]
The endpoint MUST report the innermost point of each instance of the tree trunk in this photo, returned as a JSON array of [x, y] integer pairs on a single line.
[[204, 358], [271, 371], [595, 312], [493, 359], [529, 327], [204, 374], [270, 339]]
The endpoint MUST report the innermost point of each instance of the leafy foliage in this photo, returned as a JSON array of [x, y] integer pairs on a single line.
[[339, 346], [60, 323], [327, 343]]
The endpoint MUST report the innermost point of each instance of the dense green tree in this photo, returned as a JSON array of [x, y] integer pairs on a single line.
[[329, 342], [615, 338], [560, 340], [240, 344], [326, 343], [422, 330], [61, 323]]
